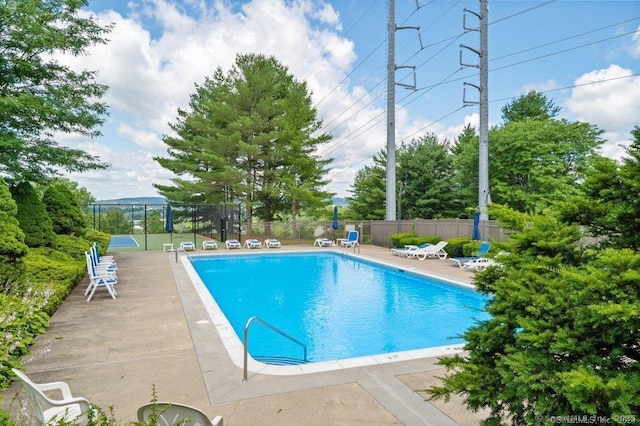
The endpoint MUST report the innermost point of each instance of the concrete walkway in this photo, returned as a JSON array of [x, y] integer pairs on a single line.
[[158, 335]]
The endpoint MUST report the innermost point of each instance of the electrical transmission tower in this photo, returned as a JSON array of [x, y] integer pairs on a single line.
[[484, 197], [391, 107]]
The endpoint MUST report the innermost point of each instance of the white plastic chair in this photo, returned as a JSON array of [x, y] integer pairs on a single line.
[[172, 413], [253, 243], [352, 239], [272, 243], [209, 244], [46, 410], [99, 278], [231, 244]]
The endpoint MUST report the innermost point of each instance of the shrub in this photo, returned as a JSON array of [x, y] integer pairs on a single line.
[[54, 272], [459, 247], [397, 239], [32, 215], [101, 238], [64, 210], [72, 245], [12, 246]]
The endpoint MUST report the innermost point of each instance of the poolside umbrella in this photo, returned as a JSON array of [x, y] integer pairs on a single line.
[[169, 221], [475, 236], [335, 225]]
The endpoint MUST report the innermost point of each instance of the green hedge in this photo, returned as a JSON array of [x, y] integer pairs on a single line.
[[51, 274]]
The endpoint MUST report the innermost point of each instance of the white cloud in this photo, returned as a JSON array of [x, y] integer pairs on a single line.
[[610, 99], [157, 54], [635, 49]]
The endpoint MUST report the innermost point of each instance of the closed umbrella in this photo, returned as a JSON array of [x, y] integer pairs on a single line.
[[169, 221], [475, 236], [335, 225], [476, 227]]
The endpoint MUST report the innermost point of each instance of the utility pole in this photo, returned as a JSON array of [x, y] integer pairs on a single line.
[[391, 114], [483, 160], [391, 106], [484, 197]]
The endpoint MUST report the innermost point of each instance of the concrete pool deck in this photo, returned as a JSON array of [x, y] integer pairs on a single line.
[[158, 333]]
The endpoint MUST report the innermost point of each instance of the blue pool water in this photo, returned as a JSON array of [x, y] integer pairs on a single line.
[[340, 307]]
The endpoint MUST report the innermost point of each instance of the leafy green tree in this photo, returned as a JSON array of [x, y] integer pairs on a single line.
[[64, 210], [534, 163], [609, 204], [369, 191], [249, 136], [532, 106], [38, 95], [155, 224], [12, 246], [115, 222], [535, 160], [564, 329], [425, 173], [32, 215]]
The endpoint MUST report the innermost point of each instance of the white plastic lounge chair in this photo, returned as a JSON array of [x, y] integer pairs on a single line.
[[187, 246], [232, 244], [99, 278], [479, 264], [209, 244], [402, 251], [46, 410], [482, 251], [352, 239], [272, 243], [252, 243], [173, 413], [433, 251], [323, 242]]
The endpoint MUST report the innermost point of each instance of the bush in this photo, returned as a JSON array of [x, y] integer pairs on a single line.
[[55, 273], [72, 245], [101, 238], [12, 246], [405, 239], [64, 210], [459, 247], [32, 215]]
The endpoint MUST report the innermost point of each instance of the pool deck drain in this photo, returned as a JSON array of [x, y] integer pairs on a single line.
[[157, 333]]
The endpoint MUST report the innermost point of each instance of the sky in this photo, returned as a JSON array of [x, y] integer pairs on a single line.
[[583, 55]]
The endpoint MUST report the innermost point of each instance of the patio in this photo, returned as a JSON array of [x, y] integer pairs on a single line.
[[157, 334]]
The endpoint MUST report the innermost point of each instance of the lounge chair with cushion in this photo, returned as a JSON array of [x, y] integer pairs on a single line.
[[252, 243], [479, 264], [46, 410], [352, 239], [482, 251], [402, 251], [432, 252], [272, 243], [209, 244], [187, 246], [323, 242], [173, 413], [232, 244]]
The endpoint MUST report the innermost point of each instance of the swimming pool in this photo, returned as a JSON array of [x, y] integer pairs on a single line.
[[339, 305]]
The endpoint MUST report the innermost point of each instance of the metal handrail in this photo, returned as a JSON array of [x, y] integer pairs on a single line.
[[272, 327]]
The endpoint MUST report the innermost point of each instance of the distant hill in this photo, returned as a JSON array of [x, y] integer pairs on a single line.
[[135, 200]]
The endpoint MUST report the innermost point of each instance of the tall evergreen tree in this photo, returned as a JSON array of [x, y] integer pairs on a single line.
[[249, 137], [369, 191], [38, 95], [425, 174], [609, 204]]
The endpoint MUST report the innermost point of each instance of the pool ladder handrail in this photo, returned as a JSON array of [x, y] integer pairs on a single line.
[[272, 327]]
